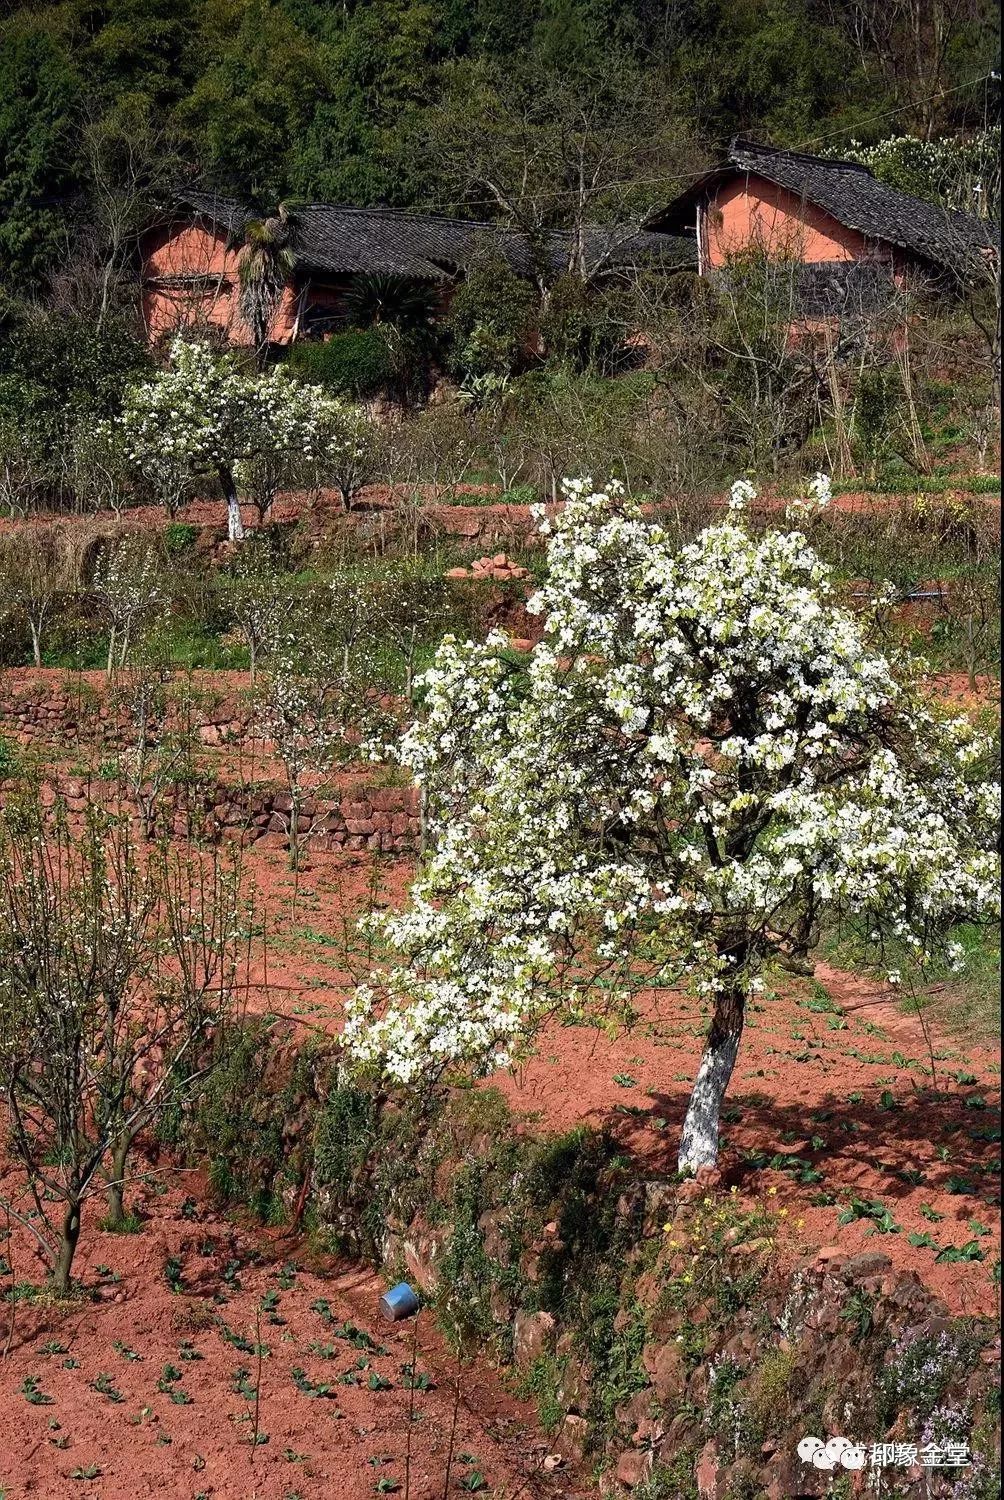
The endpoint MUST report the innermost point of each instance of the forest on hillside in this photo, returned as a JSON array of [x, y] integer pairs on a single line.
[[430, 103]]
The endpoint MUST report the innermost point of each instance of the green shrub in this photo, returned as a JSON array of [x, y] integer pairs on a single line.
[[10, 761], [240, 1120], [578, 329], [357, 363], [58, 369], [520, 494], [490, 319], [179, 537], [345, 1135], [542, 1381], [675, 1481]]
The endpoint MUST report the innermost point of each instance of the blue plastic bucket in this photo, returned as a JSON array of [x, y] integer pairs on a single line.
[[400, 1302]]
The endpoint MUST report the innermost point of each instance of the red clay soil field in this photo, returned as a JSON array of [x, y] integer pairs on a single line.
[[146, 1384], [832, 1098], [859, 1125], [466, 511]]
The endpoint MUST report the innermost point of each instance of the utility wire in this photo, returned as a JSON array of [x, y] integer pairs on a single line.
[[899, 110], [687, 177]]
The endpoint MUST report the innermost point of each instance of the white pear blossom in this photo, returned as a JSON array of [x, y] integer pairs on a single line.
[[741, 495], [253, 430], [700, 763], [818, 495]]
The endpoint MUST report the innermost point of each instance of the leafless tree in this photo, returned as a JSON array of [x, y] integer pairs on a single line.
[[127, 582], [590, 156], [914, 44], [129, 163], [160, 735], [111, 972], [37, 570]]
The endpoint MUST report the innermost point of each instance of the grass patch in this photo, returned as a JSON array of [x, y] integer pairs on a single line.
[[967, 1002]]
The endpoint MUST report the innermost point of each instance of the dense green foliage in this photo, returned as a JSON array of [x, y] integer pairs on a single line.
[[354, 363], [58, 370], [363, 102]]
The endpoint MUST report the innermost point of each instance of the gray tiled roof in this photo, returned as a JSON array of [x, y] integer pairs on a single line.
[[343, 240], [855, 198]]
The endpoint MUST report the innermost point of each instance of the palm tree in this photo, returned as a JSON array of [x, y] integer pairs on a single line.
[[263, 268]]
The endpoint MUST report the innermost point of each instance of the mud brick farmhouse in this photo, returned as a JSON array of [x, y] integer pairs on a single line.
[[832, 216]]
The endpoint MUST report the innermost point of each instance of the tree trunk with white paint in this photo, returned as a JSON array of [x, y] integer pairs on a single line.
[[235, 526], [699, 1143]]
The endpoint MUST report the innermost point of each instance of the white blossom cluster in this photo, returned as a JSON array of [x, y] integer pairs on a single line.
[[206, 411], [128, 584], [961, 174], [700, 761], [818, 495]]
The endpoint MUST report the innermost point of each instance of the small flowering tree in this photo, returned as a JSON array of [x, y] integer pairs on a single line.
[[343, 453], [284, 428], [301, 710], [254, 431], [37, 569], [256, 595], [127, 584], [316, 703], [96, 468], [700, 763]]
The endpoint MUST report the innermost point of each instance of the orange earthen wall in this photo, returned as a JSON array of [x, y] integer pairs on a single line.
[[194, 251], [752, 211]]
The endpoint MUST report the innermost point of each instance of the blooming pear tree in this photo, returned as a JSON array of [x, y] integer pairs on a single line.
[[255, 593], [700, 763], [299, 711], [127, 585], [343, 451], [206, 414]]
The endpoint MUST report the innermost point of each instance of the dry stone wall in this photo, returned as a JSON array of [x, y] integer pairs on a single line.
[[366, 817], [72, 711]]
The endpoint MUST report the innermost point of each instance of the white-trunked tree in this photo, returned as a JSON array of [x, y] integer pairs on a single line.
[[257, 432], [701, 763]]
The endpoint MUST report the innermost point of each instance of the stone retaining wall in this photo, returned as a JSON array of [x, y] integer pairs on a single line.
[[365, 817], [68, 712], [677, 1348]]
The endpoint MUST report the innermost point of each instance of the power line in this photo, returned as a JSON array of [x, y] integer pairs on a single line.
[[900, 109], [673, 179]]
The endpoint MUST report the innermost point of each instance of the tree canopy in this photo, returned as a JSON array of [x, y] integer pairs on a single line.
[[701, 764]]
